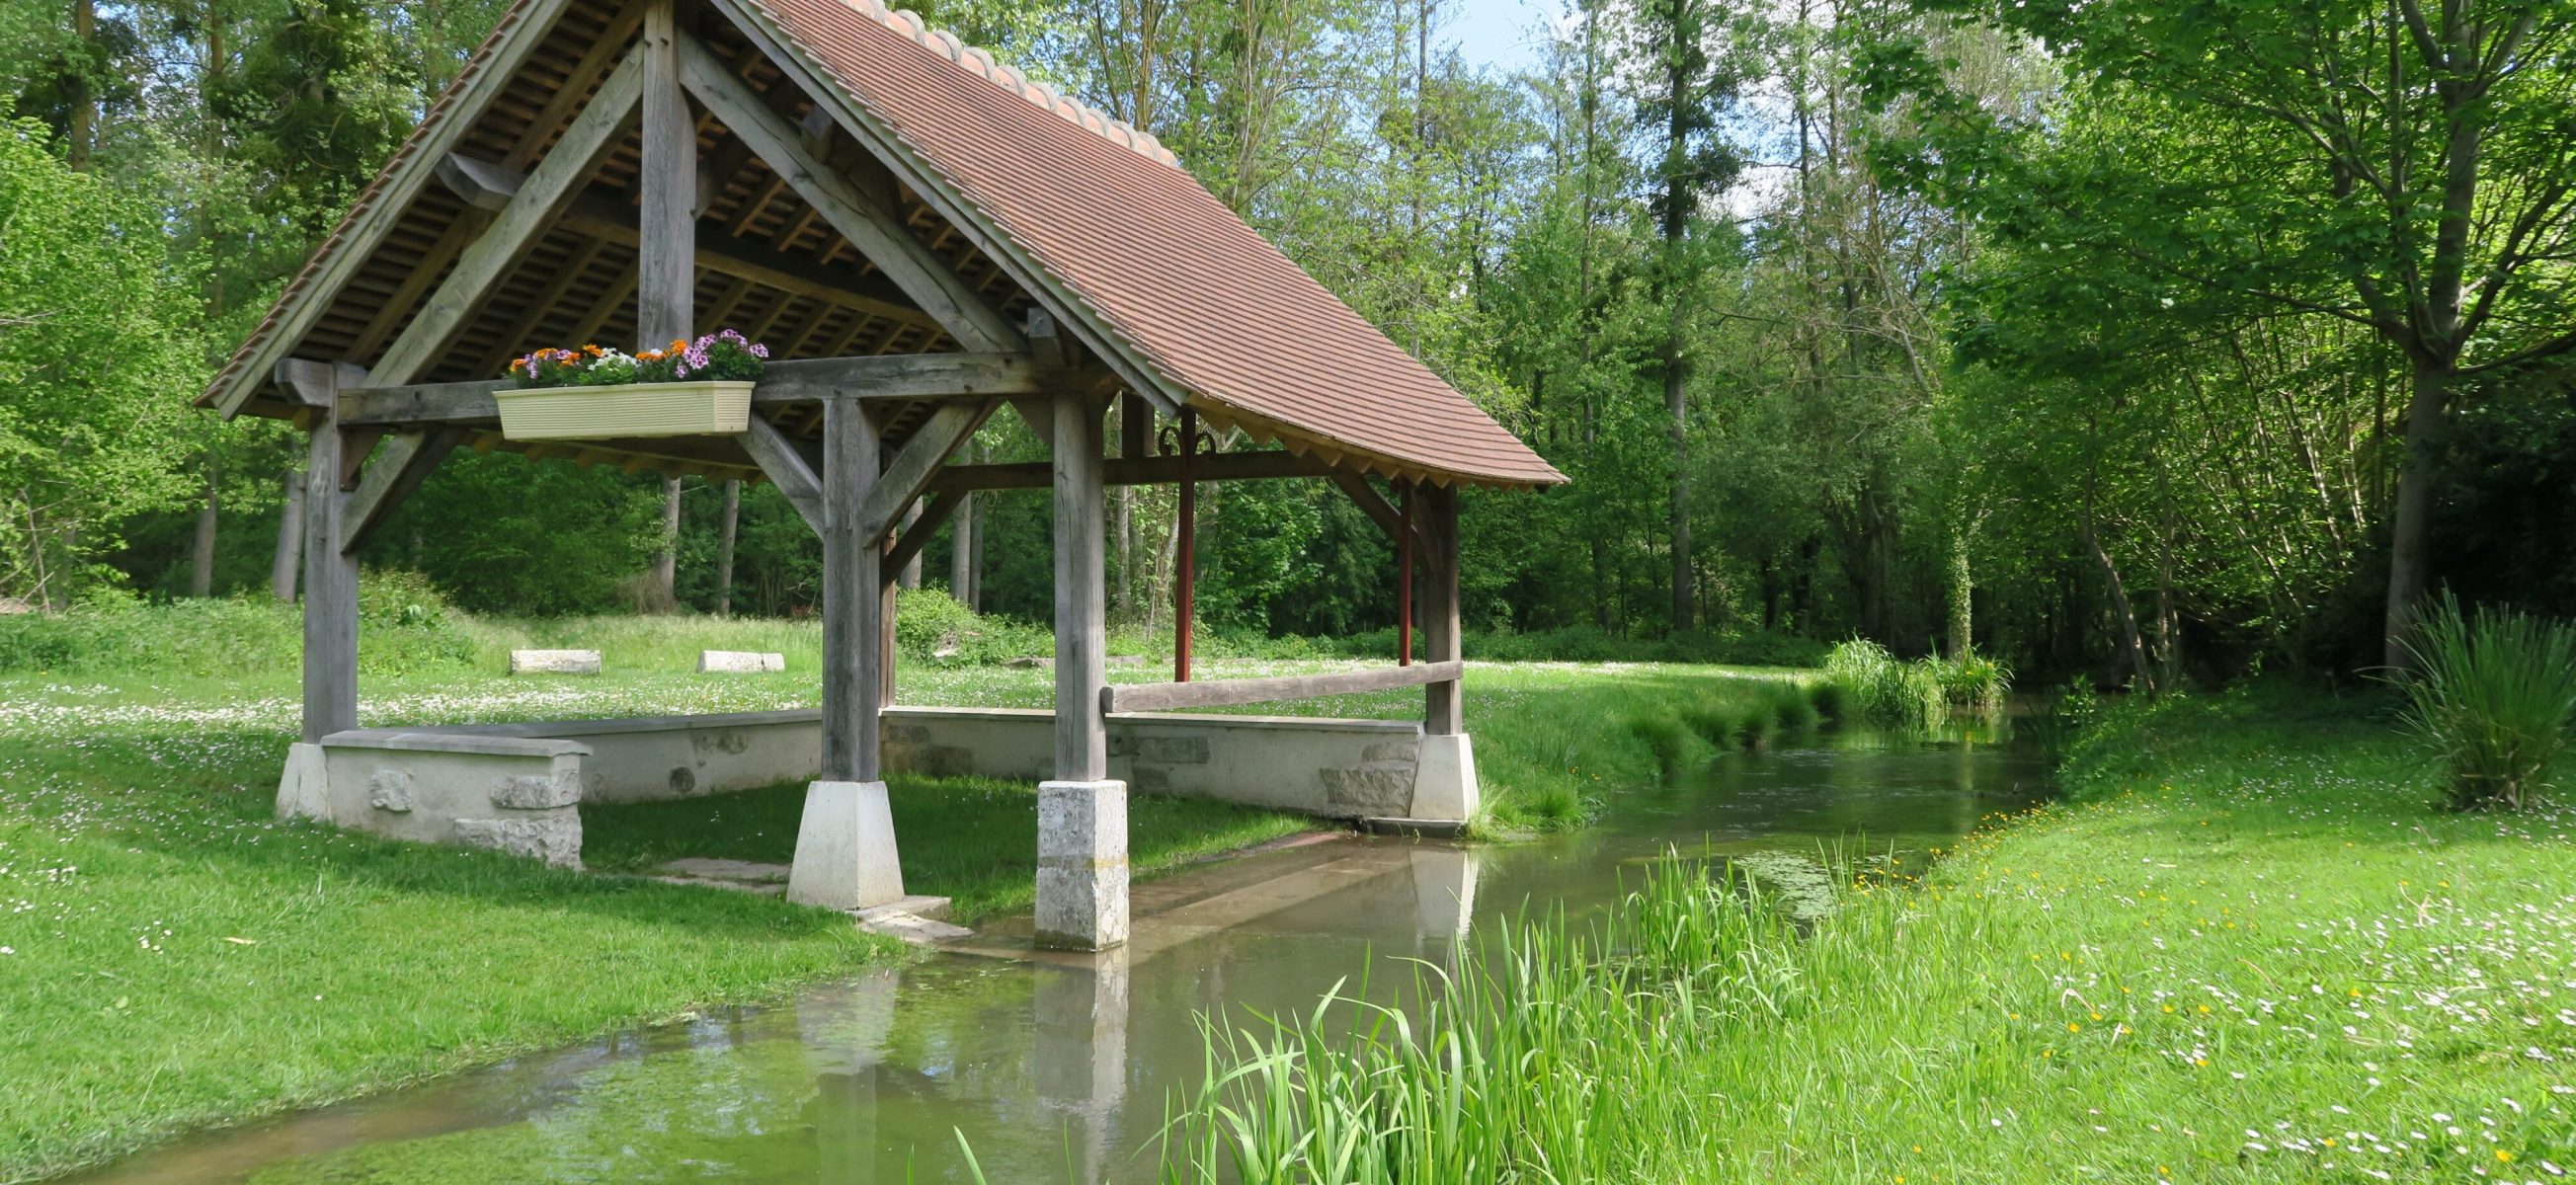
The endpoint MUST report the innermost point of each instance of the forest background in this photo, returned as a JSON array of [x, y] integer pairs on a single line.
[[2136, 340]]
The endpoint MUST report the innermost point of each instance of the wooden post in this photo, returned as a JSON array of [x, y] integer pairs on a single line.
[[853, 598], [726, 531], [666, 243], [1186, 551], [1404, 575], [290, 540], [1441, 714], [1081, 736], [330, 580]]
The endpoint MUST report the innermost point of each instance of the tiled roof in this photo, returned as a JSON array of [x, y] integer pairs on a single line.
[[1200, 296]]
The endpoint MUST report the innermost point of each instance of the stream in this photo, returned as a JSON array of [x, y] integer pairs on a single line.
[[1060, 1067]]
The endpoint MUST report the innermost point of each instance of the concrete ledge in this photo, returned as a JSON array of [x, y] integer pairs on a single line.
[[439, 740]]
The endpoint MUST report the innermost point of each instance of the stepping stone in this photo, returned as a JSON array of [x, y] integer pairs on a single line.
[[918, 920], [554, 662], [739, 662], [742, 876], [1425, 828]]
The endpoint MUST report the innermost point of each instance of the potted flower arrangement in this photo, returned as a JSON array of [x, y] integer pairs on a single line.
[[700, 388]]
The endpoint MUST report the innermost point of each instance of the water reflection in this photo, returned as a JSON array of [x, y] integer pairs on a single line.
[[1060, 1067]]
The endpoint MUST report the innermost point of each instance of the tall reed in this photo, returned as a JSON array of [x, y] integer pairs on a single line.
[[2493, 697]]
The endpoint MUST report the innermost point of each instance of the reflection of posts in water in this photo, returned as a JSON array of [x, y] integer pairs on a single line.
[[844, 1031], [1081, 1055], [845, 1127], [1444, 891]]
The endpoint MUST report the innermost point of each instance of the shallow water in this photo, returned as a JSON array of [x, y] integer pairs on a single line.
[[1058, 1068]]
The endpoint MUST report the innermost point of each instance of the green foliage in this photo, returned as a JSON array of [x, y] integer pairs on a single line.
[[404, 627], [1970, 679], [930, 626], [2238, 867], [96, 343], [2493, 698], [1882, 689]]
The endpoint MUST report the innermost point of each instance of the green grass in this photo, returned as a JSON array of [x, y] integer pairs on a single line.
[[136, 844], [2251, 949]]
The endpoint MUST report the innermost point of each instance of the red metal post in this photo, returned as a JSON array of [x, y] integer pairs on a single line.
[[1183, 609], [1404, 575]]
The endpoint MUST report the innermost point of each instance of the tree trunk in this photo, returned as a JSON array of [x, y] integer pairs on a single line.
[[910, 577], [2133, 648], [961, 553], [201, 572], [725, 531], [82, 91], [1685, 608], [290, 540], [661, 594], [1962, 593], [2410, 538]]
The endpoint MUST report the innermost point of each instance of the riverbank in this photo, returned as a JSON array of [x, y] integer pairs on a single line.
[[175, 959], [2248, 945]]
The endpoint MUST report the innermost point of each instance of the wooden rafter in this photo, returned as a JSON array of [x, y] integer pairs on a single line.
[[922, 275], [557, 178]]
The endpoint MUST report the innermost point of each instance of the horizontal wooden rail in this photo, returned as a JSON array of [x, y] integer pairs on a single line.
[[800, 380], [1142, 471], [1214, 693]]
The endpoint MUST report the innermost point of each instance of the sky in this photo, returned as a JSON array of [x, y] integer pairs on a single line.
[[1494, 32]]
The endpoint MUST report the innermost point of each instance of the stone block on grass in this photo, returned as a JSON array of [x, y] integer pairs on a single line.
[[554, 662], [739, 662]]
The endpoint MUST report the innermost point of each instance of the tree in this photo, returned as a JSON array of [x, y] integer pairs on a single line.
[[1688, 83], [2401, 168], [95, 335]]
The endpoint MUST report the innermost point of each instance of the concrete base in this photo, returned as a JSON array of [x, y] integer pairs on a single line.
[[845, 853], [304, 789], [1082, 865], [1444, 779]]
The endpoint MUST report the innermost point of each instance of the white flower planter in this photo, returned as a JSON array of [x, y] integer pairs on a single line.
[[636, 409]]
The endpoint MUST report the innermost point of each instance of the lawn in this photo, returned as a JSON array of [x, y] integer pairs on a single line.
[[173, 958], [2248, 949]]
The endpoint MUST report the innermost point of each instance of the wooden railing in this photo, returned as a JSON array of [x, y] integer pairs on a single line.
[[1214, 693]]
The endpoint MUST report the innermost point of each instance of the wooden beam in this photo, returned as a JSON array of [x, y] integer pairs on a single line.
[[1143, 471], [786, 468], [853, 600], [1081, 621], [875, 231], [1214, 693], [595, 62], [900, 377], [1376, 507], [330, 573], [310, 383], [482, 183], [908, 475], [405, 461], [916, 534], [1443, 713], [459, 235], [530, 211], [459, 111], [573, 272], [666, 254]]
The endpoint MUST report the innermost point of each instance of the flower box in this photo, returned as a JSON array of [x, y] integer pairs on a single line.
[[691, 408]]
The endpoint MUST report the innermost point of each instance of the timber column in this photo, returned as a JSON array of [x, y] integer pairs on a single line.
[[1444, 777], [845, 849], [1082, 815], [330, 588]]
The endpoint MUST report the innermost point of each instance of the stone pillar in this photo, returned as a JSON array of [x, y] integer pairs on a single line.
[[845, 846], [1082, 815], [1081, 1057]]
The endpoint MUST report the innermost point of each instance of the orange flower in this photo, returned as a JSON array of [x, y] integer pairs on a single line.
[[593, 351]]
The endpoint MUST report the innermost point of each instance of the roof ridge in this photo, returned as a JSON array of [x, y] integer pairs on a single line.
[[982, 64]]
